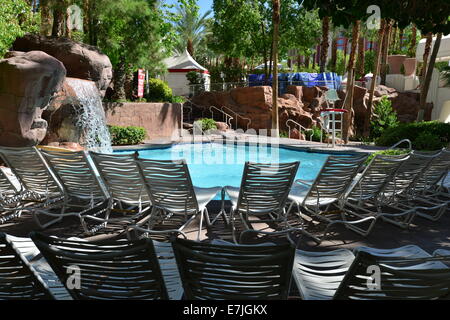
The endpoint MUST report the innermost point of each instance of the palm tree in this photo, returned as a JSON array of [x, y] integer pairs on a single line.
[[325, 43], [276, 24], [191, 28]]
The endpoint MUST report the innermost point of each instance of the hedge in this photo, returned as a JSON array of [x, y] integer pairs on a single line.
[[127, 135], [430, 135]]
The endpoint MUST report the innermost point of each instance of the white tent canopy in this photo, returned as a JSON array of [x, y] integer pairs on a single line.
[[183, 62], [443, 53]]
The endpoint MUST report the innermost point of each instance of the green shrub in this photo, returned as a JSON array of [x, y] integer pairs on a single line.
[[389, 152], [284, 134], [207, 124], [159, 91], [316, 134], [178, 99], [418, 133], [127, 135], [384, 117]]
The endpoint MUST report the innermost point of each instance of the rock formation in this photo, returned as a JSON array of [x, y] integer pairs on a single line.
[[81, 60], [28, 82]]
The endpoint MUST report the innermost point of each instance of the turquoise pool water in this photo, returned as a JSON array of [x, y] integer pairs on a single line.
[[220, 165]]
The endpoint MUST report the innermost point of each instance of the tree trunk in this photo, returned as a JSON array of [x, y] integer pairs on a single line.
[[59, 13], [276, 22], [119, 80], [426, 54], [426, 84], [385, 50], [412, 46], [333, 55], [46, 17], [345, 52], [350, 84], [400, 40], [190, 47], [68, 33], [381, 35], [307, 58], [325, 43], [361, 57]]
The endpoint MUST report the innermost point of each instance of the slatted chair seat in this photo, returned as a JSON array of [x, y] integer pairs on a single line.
[[405, 273], [39, 186], [18, 280], [81, 184], [234, 272], [125, 186], [262, 198], [169, 186], [108, 269], [317, 198]]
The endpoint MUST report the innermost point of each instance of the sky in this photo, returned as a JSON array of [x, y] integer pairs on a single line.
[[204, 5]]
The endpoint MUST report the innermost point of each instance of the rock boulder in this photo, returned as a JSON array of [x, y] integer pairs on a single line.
[[28, 81], [80, 60]]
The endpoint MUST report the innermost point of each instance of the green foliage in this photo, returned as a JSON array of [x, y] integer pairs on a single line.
[[194, 77], [341, 62], [316, 134], [207, 124], [389, 152], [418, 133], [159, 91], [384, 117], [130, 33], [369, 62], [127, 135], [284, 134], [445, 75], [16, 19], [178, 99]]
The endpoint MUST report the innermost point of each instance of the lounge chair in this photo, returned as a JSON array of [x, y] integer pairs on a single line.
[[107, 269], [403, 191], [39, 186], [129, 199], [262, 198], [362, 199], [320, 197], [81, 185], [18, 280], [384, 274], [9, 199], [234, 272], [175, 201]]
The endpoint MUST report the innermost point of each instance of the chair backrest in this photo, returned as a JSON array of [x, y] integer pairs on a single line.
[[377, 174], [31, 170], [216, 272], [387, 278], [169, 185], [106, 269], [18, 281], [436, 170], [7, 188], [76, 174], [336, 175], [265, 186], [121, 176], [331, 95], [409, 173]]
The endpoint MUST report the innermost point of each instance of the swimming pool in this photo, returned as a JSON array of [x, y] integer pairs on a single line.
[[223, 164]]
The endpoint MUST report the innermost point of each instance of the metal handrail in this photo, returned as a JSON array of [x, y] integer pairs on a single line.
[[300, 126], [228, 117], [402, 141], [237, 115]]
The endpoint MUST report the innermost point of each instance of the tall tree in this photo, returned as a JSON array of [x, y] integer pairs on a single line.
[[325, 42], [276, 24], [384, 52]]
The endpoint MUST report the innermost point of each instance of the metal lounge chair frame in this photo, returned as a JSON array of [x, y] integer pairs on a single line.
[[264, 191], [169, 186], [107, 269], [238, 272], [81, 184], [317, 197], [39, 186], [126, 187], [10, 197], [18, 280]]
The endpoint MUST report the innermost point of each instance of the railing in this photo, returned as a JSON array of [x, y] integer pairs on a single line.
[[225, 116], [236, 116], [401, 142], [184, 106], [301, 128]]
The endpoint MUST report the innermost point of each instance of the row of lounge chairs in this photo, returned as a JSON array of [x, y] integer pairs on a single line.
[[124, 269], [104, 188]]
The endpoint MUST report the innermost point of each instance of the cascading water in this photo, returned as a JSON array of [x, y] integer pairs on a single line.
[[90, 119]]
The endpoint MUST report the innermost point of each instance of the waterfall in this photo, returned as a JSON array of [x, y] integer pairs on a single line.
[[90, 119]]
